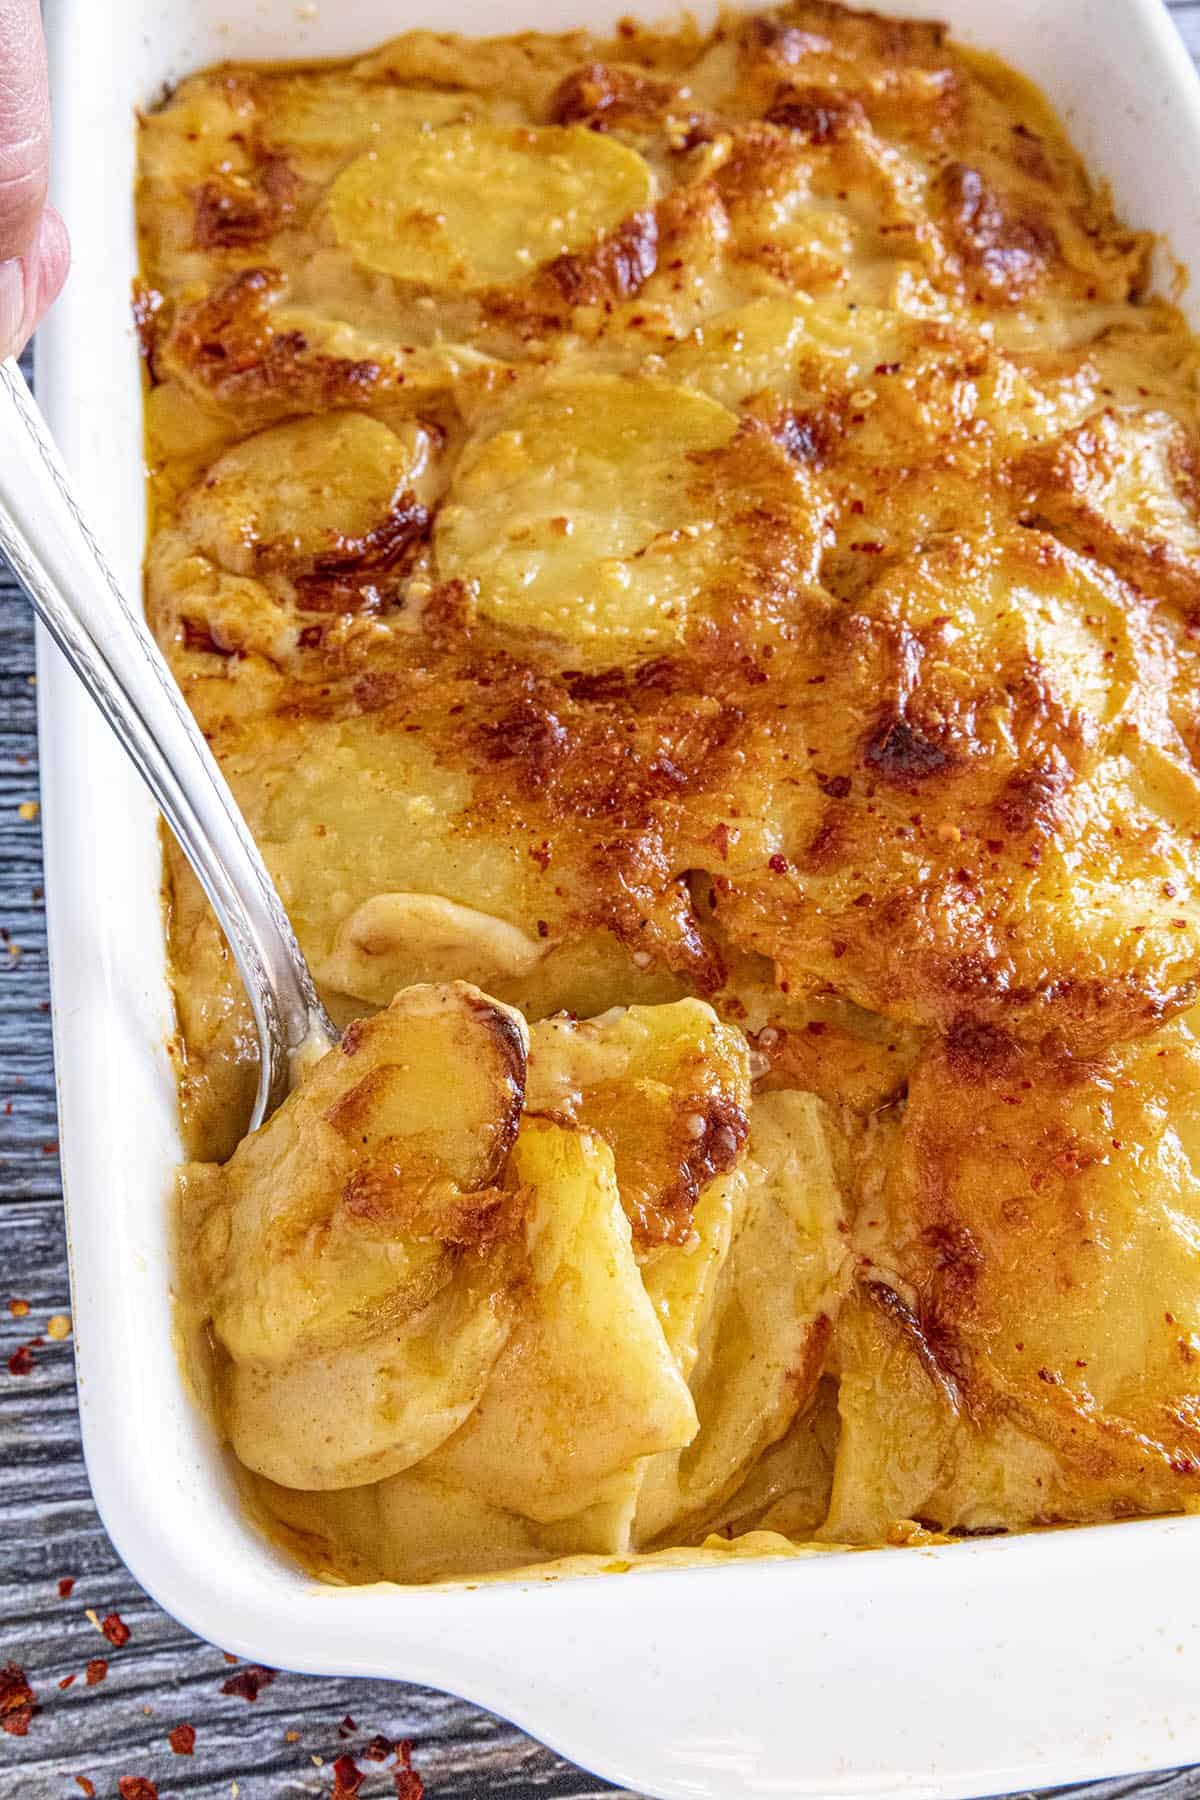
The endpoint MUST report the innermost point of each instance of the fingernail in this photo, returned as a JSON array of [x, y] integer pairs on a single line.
[[12, 305]]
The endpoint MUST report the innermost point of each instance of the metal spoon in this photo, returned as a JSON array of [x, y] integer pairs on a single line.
[[104, 638]]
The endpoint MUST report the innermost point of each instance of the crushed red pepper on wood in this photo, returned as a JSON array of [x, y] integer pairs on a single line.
[[115, 1630], [17, 1700], [89, 1787], [66, 1586], [136, 1787], [347, 1778], [97, 1669], [182, 1739], [409, 1785], [21, 1361], [249, 1682]]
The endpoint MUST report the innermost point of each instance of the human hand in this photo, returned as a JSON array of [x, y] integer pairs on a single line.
[[34, 252]]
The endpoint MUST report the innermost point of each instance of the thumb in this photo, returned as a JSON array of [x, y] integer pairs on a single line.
[[33, 242]]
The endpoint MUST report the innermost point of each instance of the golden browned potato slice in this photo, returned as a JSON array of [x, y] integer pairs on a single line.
[[298, 490], [588, 1386], [667, 1087], [581, 517], [752, 1322], [1026, 1344], [295, 526], [465, 206], [357, 1256]]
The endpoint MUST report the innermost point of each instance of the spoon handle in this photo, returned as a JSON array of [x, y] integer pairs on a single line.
[[45, 538]]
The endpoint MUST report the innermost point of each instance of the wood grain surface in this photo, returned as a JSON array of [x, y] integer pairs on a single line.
[[283, 1744]]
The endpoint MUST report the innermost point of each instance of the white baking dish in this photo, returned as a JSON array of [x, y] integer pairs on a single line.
[[973, 1669]]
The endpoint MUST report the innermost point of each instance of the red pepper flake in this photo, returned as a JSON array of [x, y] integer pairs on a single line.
[[249, 1682], [379, 1748], [182, 1739], [97, 1669], [347, 1778], [21, 1361], [89, 1787], [136, 1787], [115, 1630], [50, 1149], [66, 1682], [409, 1785], [778, 864], [228, 1658], [347, 1728], [17, 1703], [66, 1586], [18, 1308]]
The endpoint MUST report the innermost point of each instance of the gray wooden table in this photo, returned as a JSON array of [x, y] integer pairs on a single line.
[[285, 1743]]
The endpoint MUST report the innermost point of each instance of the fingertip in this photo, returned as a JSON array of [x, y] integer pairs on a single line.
[[30, 284], [49, 262]]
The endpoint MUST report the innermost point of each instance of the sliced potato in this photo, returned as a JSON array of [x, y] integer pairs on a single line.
[[465, 206], [417, 1526], [796, 344], [787, 1489], [357, 1254], [1024, 1348], [448, 941], [358, 1412], [666, 1087], [301, 488], [762, 1327], [1152, 487], [581, 515], [326, 114], [682, 1282], [588, 1387], [741, 351], [412, 1527]]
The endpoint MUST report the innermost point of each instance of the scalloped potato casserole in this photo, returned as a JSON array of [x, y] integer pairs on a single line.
[[687, 549]]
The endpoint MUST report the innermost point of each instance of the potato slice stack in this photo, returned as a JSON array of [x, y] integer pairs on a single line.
[[536, 1293]]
